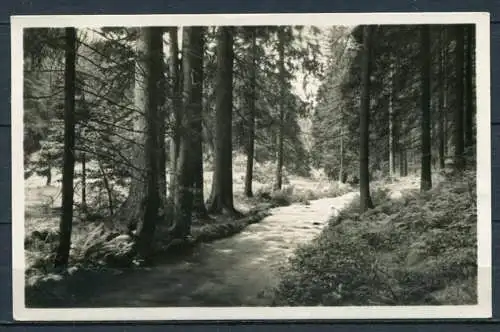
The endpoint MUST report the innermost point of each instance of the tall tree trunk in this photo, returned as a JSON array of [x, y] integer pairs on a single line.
[[176, 102], [426, 55], [192, 66], [442, 110], [66, 223], [84, 181], [49, 171], [252, 96], [281, 129], [405, 163], [107, 186], [221, 198], [196, 50], [341, 168], [459, 109], [364, 123], [147, 101], [161, 135], [446, 126], [401, 160], [391, 123], [469, 105]]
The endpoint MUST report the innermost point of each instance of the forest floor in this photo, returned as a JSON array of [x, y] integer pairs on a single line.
[[242, 270]]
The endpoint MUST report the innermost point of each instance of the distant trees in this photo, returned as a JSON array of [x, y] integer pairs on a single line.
[[420, 102]]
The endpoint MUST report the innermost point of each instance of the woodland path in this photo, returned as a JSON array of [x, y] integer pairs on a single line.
[[236, 271]]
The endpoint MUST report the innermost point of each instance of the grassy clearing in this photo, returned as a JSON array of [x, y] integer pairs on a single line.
[[412, 249]]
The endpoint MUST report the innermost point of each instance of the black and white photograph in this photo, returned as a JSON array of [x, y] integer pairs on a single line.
[[251, 167]]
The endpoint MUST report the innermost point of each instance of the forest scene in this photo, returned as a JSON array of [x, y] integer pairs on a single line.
[[250, 166]]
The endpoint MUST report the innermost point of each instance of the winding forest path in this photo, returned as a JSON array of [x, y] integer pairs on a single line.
[[236, 271]]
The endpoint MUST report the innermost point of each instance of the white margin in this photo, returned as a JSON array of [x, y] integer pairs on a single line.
[[482, 310]]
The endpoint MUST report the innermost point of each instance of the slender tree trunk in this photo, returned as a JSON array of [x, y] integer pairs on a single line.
[[196, 51], [445, 96], [162, 120], [341, 168], [469, 106], [279, 154], [442, 110], [107, 186], [176, 102], [364, 125], [84, 181], [49, 171], [405, 163], [401, 161], [459, 109], [147, 100], [252, 96], [66, 223], [391, 123], [426, 55], [221, 198]]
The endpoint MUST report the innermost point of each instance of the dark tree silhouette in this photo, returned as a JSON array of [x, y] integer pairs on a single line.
[[176, 102], [425, 54], [221, 197], [191, 62], [364, 123], [65, 226], [281, 123], [196, 51], [149, 73], [441, 99], [251, 98], [469, 81], [459, 107]]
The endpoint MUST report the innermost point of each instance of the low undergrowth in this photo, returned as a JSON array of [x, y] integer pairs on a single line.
[[416, 249]]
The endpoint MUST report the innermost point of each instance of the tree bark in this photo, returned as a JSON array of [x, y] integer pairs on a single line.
[[251, 98], [221, 198], [459, 109], [147, 101], [364, 125], [281, 129], [425, 175], [196, 50], [66, 223], [192, 66]]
